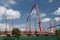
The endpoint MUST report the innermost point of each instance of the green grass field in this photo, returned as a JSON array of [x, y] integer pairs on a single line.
[[30, 38]]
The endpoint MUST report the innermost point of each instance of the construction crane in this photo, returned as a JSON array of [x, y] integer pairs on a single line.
[[53, 28], [50, 26], [6, 32], [44, 29], [12, 23], [38, 13], [35, 25], [30, 26], [6, 26], [54, 25]]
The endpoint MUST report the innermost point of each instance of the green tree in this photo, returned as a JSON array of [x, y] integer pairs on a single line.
[[57, 32], [16, 32]]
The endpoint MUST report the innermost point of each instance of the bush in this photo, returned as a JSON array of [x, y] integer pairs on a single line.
[[57, 32], [16, 32]]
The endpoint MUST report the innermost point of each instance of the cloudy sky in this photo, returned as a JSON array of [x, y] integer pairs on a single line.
[[19, 9]]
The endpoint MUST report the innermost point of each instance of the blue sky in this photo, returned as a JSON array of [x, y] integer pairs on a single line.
[[49, 10]]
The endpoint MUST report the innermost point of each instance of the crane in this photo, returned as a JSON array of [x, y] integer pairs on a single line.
[[38, 13], [6, 26], [53, 27], [12, 23]]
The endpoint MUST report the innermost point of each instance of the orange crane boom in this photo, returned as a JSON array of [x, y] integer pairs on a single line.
[[39, 19], [38, 13]]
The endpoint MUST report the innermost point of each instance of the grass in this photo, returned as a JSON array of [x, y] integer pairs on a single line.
[[30, 38]]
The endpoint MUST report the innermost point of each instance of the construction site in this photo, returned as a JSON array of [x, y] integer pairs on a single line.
[[42, 30]]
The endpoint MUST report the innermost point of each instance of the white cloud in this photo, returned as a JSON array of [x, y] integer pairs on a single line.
[[33, 11], [6, 11], [2, 10], [22, 27], [43, 14], [57, 19], [9, 13], [50, 1], [6, 3], [57, 12], [9, 27], [34, 14], [46, 19], [3, 26]]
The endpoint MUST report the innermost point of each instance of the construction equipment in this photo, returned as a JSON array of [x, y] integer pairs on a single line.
[[53, 27], [12, 23], [6, 26], [39, 19]]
